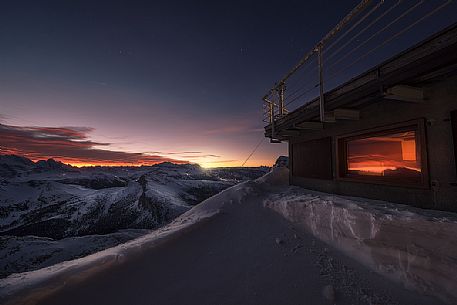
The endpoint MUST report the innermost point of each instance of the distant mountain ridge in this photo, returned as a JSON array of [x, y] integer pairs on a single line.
[[12, 165]]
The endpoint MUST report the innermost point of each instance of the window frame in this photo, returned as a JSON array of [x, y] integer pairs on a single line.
[[454, 135], [421, 145]]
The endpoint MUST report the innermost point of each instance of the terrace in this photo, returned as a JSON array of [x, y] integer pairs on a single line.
[[328, 84]]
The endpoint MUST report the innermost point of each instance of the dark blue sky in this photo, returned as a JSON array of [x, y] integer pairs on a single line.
[[160, 77]]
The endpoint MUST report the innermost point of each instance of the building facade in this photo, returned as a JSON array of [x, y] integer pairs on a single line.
[[388, 134]]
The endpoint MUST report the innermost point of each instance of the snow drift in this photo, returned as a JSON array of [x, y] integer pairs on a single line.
[[412, 246]]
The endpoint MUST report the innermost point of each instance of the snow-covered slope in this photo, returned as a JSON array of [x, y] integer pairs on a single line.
[[228, 236], [19, 254], [51, 200], [87, 266]]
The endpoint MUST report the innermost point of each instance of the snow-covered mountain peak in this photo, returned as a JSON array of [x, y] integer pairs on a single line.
[[49, 199]]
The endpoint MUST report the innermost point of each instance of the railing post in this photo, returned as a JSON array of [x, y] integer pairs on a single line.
[[271, 119], [321, 84], [269, 109], [281, 90]]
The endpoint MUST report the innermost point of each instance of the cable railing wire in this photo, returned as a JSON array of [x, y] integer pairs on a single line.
[[300, 81], [334, 43], [363, 30], [299, 90], [385, 42], [329, 47], [363, 56], [410, 10], [354, 12], [303, 94], [253, 151], [301, 77], [341, 37]]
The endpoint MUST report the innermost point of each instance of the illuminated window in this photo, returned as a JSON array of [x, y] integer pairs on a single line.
[[392, 156]]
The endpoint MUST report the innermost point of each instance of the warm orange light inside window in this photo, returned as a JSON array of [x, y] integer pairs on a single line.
[[408, 150], [393, 155]]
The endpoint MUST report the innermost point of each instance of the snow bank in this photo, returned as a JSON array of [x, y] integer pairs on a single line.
[[415, 247], [25, 287]]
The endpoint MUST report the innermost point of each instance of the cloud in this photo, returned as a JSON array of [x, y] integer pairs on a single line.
[[69, 145], [222, 161], [185, 154], [175, 153], [201, 156], [3, 117]]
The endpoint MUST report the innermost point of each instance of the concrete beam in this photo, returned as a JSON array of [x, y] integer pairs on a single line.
[[309, 126], [274, 141], [289, 132], [405, 94], [342, 114]]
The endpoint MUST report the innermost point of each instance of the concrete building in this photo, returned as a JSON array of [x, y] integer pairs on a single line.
[[389, 133]]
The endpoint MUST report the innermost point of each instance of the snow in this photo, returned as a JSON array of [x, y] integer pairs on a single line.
[[85, 266], [61, 203], [245, 245], [415, 247], [18, 254]]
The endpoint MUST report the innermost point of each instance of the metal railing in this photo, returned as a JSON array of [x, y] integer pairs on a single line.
[[369, 27]]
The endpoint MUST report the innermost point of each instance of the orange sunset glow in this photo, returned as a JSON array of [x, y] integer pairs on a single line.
[[378, 156], [76, 146]]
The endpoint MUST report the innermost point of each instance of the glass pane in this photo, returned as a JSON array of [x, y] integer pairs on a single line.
[[394, 155]]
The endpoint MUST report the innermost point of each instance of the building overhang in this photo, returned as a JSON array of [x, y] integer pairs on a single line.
[[399, 79]]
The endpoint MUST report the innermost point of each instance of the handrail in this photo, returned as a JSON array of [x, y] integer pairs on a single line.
[[360, 7], [276, 101]]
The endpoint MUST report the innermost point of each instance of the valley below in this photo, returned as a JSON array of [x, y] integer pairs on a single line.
[[51, 212]]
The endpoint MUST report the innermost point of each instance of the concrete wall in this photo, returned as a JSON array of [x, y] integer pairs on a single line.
[[441, 98]]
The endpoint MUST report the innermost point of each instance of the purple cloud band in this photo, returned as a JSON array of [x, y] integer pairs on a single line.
[[67, 144]]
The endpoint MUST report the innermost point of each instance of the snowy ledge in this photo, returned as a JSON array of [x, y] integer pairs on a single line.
[[415, 247], [27, 287]]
